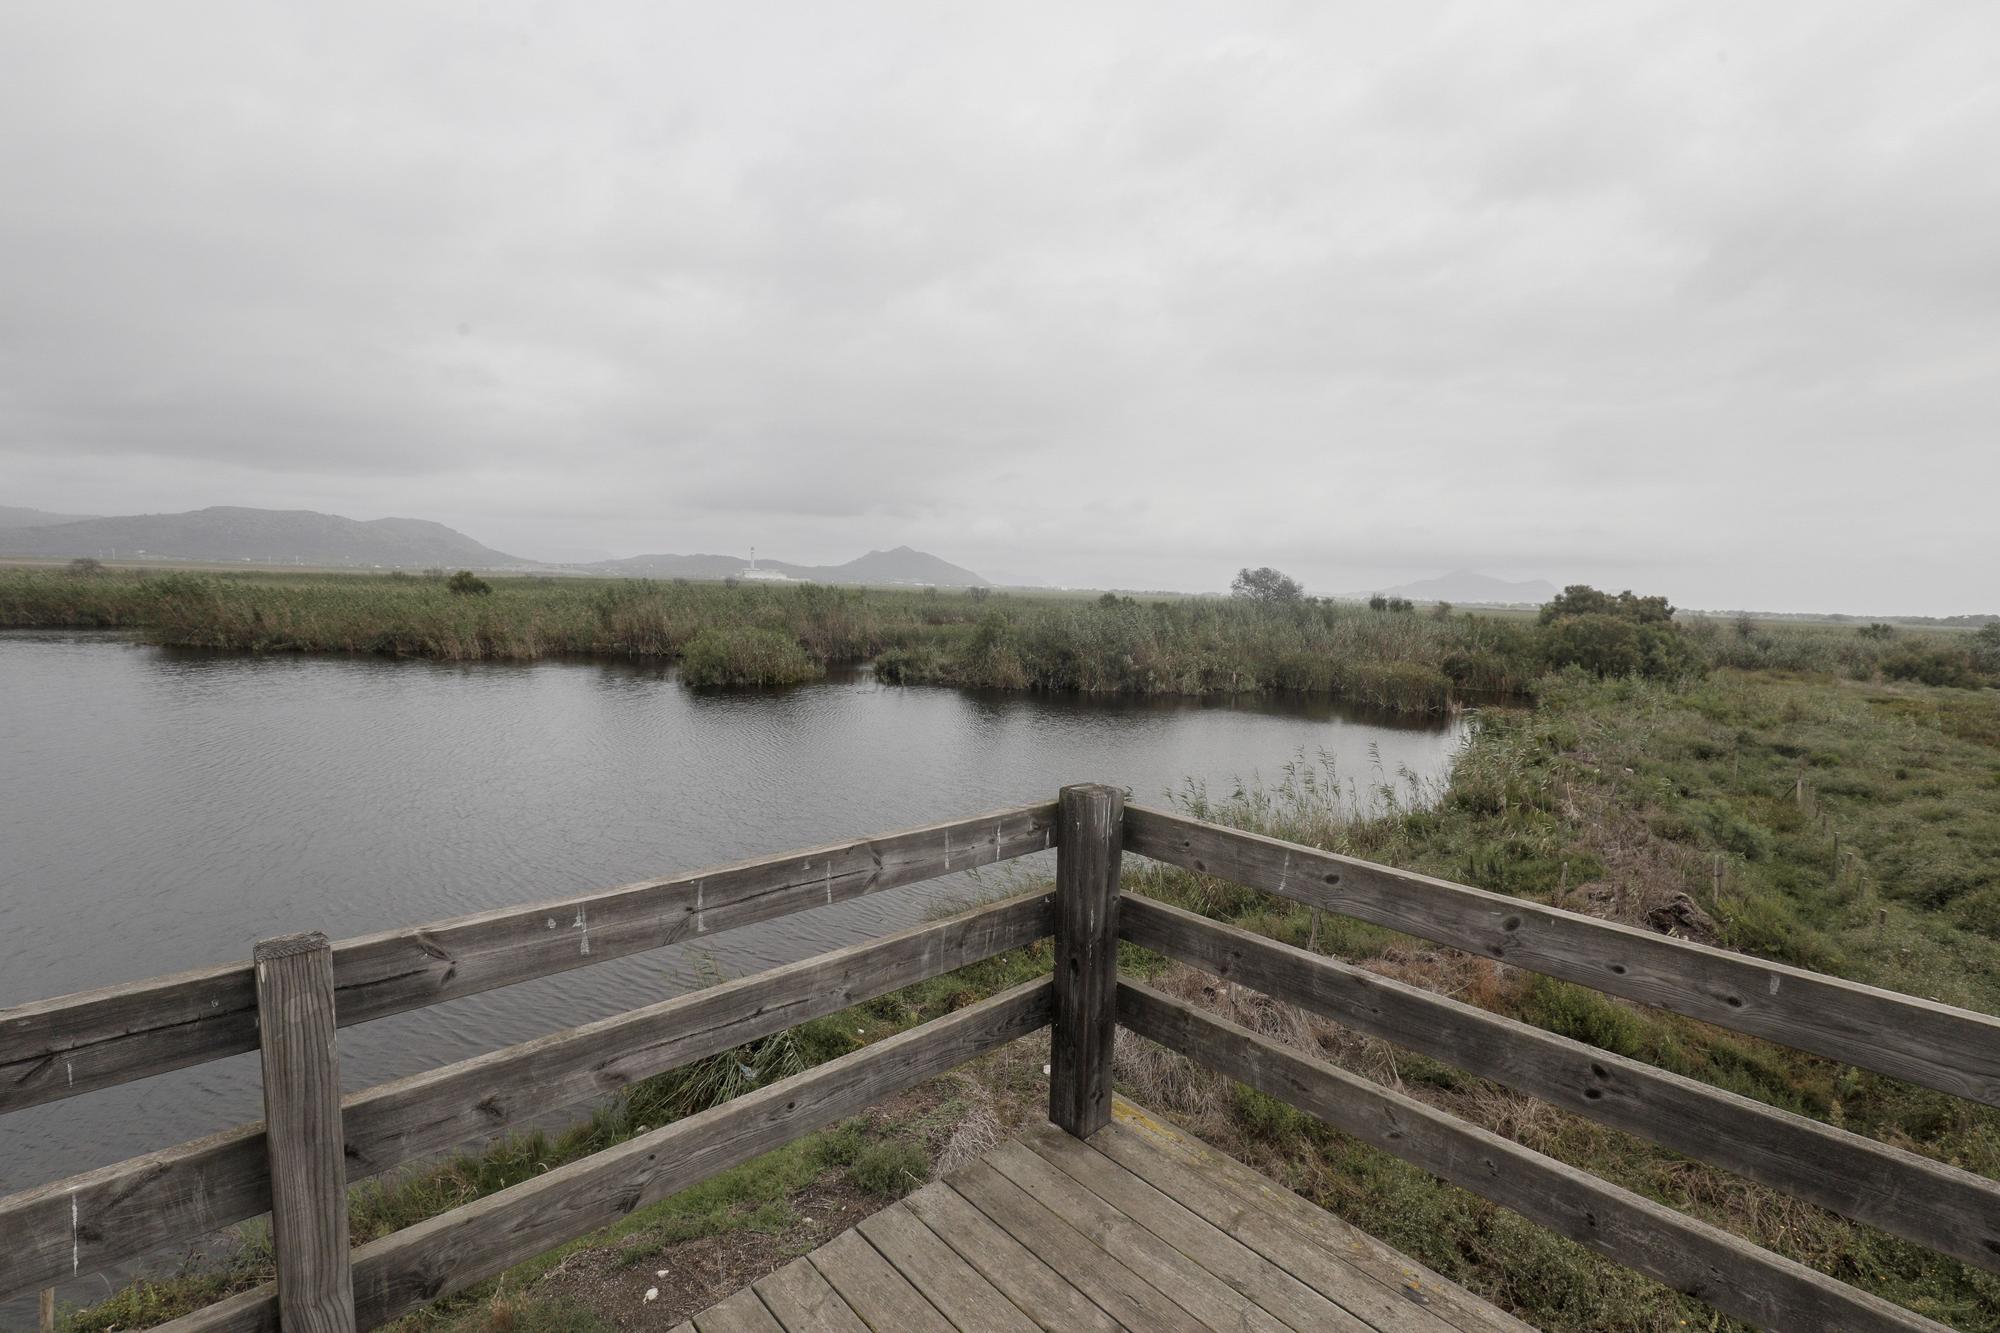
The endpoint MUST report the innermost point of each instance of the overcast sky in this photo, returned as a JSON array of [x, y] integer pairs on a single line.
[[1699, 299]]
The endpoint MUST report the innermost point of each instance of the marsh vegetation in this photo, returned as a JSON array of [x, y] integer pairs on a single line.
[[1271, 639]]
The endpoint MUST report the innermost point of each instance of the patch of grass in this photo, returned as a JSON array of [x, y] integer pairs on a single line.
[[525, 1314], [890, 1168]]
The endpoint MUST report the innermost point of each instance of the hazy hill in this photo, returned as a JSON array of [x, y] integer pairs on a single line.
[[259, 536], [1463, 585], [13, 516], [901, 565], [904, 565]]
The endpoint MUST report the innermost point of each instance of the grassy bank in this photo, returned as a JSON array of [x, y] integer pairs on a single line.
[[1622, 799], [1857, 829]]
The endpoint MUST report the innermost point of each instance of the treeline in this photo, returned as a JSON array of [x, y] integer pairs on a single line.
[[1392, 656]]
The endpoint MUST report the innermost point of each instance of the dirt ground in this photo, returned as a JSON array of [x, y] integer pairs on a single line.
[[1000, 1093]]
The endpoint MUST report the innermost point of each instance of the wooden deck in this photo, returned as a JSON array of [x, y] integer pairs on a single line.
[[1142, 1227]]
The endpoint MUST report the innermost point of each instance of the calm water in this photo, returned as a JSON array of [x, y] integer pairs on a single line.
[[163, 810]]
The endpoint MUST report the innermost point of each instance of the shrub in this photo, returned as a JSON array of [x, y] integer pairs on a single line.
[[1609, 645], [1580, 599], [468, 584], [84, 567], [1878, 631], [1265, 585], [1936, 666], [743, 656]]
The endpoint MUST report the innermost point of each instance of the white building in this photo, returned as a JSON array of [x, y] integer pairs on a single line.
[[762, 575]]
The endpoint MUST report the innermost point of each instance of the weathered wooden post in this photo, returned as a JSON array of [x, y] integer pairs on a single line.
[[303, 1133], [1090, 836]]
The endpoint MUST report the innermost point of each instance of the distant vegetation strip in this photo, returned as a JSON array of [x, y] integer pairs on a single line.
[[1272, 639]]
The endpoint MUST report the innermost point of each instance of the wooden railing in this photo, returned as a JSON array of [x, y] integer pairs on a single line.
[[1941, 1207], [288, 1000]]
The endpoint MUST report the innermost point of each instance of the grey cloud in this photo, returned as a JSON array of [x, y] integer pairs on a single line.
[[1684, 296]]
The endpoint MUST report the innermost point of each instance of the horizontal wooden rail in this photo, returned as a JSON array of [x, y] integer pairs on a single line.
[[57, 1048], [453, 1250], [1726, 1271], [89, 1222], [1951, 1211], [1952, 1050]]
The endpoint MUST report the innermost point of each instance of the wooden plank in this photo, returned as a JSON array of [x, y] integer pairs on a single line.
[[1952, 1050], [1178, 1277], [1037, 1290], [799, 1298], [1083, 1263], [60, 1047], [969, 1301], [873, 1288], [302, 1115], [1089, 836], [442, 1254], [1948, 1210], [1726, 1271], [1266, 1283], [91, 1221], [1351, 1286], [741, 1313], [1264, 1197]]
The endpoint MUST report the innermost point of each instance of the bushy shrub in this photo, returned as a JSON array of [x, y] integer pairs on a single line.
[[1266, 585], [1608, 645], [468, 584], [1626, 635], [1580, 599], [1936, 666]]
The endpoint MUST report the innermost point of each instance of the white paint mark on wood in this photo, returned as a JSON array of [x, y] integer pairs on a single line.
[[1284, 872], [947, 849], [582, 923], [698, 904], [829, 883], [75, 1238], [1774, 983], [69, 1072]]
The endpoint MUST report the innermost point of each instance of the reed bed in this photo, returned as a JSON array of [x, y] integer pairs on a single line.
[[1403, 661]]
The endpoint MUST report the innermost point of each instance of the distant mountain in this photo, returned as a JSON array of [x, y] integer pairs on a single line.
[[904, 565], [1462, 585], [13, 516], [900, 566], [259, 536]]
